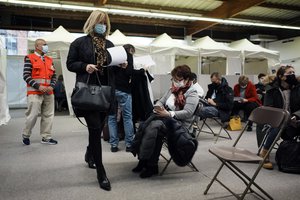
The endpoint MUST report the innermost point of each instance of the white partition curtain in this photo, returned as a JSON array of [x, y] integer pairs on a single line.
[[4, 111]]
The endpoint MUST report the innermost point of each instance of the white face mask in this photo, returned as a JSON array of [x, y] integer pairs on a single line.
[[244, 86], [179, 84]]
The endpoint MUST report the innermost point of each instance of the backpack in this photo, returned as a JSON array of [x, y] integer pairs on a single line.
[[288, 156]]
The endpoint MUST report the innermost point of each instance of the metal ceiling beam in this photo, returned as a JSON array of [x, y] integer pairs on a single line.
[[228, 9]]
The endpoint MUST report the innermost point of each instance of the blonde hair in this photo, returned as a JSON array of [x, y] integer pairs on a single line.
[[97, 16]]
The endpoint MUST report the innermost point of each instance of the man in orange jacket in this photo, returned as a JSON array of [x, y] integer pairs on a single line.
[[40, 77]]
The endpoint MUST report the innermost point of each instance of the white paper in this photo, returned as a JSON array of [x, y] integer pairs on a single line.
[[144, 62], [118, 55]]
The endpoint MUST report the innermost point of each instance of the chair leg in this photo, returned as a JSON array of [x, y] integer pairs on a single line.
[[213, 179], [166, 166]]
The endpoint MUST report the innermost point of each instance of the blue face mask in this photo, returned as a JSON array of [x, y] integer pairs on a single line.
[[100, 29], [45, 49]]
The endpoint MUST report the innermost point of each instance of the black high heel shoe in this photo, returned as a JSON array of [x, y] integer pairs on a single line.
[[89, 159], [102, 179], [140, 166]]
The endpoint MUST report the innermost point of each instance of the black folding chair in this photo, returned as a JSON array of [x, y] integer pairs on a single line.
[[217, 134], [168, 160], [230, 156]]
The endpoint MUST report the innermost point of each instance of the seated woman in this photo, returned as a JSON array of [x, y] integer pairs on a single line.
[[180, 103], [284, 93], [248, 100]]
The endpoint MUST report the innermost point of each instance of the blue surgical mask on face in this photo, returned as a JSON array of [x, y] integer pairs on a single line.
[[100, 29], [45, 49]]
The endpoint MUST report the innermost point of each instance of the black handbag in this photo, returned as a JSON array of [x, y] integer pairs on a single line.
[[88, 97], [288, 156]]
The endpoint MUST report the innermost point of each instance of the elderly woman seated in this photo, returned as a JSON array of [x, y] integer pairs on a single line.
[[173, 113]]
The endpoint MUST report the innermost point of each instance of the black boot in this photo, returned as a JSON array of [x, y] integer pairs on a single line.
[[102, 179], [140, 166], [150, 171], [89, 159]]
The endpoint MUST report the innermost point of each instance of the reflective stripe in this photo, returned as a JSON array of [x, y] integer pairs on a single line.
[[47, 81]]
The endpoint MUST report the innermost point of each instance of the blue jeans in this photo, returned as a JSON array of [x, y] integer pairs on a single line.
[[208, 112], [271, 137], [125, 102]]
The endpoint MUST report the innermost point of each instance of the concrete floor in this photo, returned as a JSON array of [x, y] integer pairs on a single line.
[[59, 172]]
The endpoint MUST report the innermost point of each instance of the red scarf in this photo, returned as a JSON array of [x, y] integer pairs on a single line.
[[179, 95]]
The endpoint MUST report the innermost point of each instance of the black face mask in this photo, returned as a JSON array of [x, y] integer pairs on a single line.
[[215, 85], [291, 79]]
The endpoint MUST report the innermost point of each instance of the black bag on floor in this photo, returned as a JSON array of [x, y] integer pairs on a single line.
[[288, 156]]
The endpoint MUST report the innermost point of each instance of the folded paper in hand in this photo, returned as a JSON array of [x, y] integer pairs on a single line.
[[144, 62], [118, 55]]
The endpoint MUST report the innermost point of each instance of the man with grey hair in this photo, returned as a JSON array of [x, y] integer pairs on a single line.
[[39, 74]]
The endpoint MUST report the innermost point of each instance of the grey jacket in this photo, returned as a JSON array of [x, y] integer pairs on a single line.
[[186, 115]]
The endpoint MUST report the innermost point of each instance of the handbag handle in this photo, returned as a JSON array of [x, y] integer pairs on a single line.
[[88, 79]]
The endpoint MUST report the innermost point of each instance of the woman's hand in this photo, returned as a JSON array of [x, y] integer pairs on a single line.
[[124, 65], [162, 112], [90, 68]]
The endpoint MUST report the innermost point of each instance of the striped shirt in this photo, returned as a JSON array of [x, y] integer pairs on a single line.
[[28, 78]]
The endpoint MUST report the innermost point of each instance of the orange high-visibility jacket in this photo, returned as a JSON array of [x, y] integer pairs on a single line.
[[42, 72]]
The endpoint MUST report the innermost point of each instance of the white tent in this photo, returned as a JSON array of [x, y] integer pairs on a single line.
[[118, 38], [59, 40], [4, 111], [164, 51], [209, 48], [250, 50]]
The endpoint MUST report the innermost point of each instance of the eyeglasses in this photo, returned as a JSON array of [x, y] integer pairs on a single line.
[[176, 80]]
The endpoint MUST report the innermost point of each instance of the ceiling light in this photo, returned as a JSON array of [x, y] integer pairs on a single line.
[[149, 14]]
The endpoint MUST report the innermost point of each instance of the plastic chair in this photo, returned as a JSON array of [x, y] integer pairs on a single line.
[[229, 156]]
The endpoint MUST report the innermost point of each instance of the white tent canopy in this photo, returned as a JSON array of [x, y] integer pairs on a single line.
[[209, 48], [4, 111], [164, 51], [251, 50], [59, 39], [164, 44], [118, 39]]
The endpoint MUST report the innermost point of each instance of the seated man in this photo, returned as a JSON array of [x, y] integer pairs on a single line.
[[219, 99], [260, 86], [247, 98], [177, 104]]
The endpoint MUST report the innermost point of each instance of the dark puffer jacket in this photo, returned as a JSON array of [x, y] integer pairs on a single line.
[[224, 99]]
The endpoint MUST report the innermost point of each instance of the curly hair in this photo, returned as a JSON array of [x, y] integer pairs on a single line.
[[182, 71]]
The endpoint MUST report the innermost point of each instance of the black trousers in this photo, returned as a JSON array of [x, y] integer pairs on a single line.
[[153, 160], [247, 107], [95, 122]]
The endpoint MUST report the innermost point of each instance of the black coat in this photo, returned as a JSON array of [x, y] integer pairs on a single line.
[[275, 99], [224, 98], [82, 53]]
